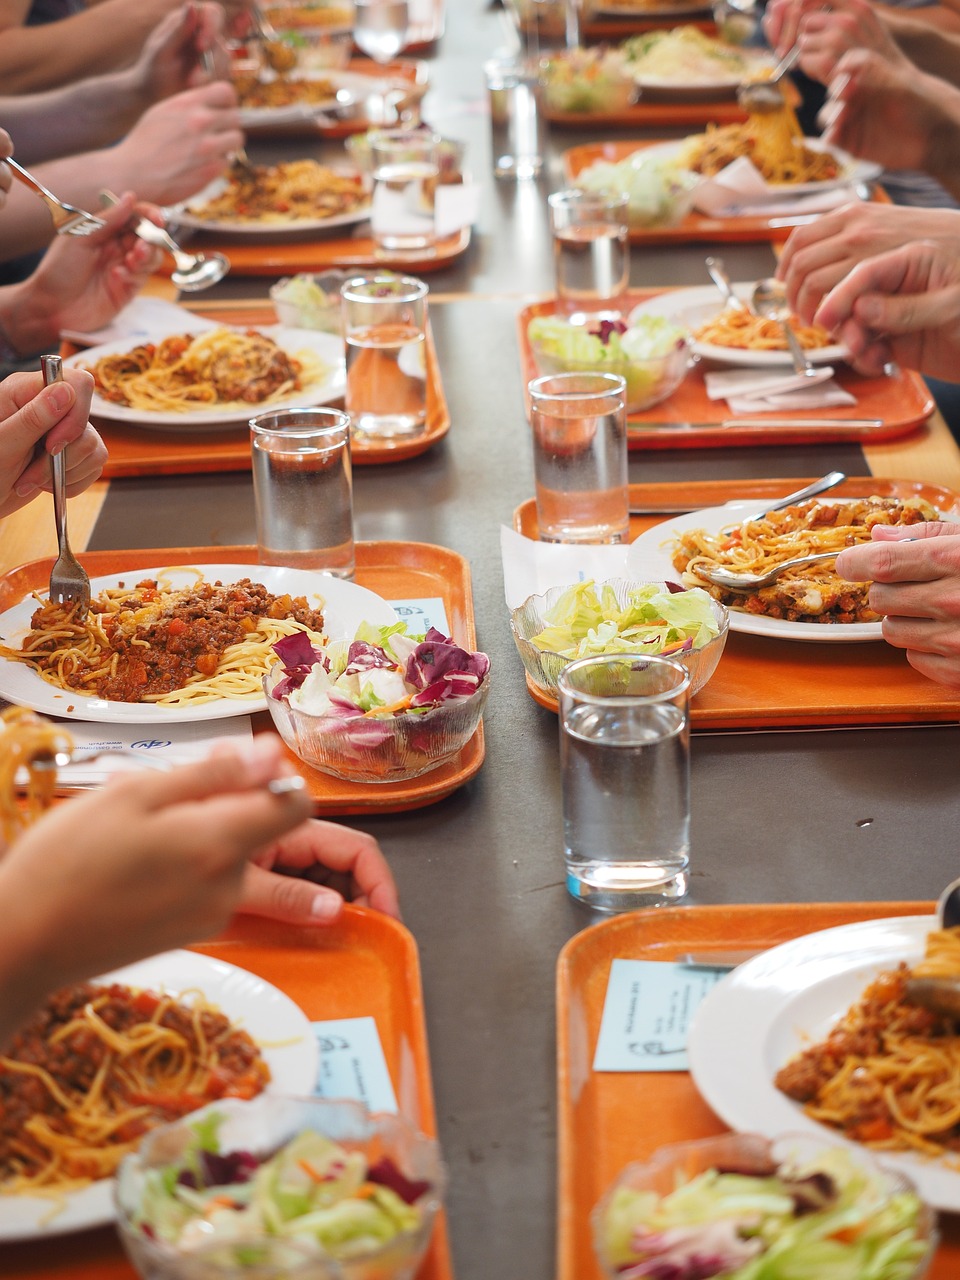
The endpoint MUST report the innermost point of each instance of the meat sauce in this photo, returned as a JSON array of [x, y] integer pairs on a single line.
[[238, 1069]]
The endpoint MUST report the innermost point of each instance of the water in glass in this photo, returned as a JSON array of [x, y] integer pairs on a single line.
[[592, 268], [626, 804], [380, 27], [386, 379], [304, 497]]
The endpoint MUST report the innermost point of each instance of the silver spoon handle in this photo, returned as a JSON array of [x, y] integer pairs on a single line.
[[718, 274], [829, 481], [801, 362]]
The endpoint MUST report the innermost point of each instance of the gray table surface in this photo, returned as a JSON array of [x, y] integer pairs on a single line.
[[788, 816]]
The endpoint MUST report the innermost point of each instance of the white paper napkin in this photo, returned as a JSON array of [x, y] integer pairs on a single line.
[[759, 391], [144, 317], [739, 189], [456, 205], [530, 568]]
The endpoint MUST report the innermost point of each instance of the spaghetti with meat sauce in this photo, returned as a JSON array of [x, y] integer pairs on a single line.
[[299, 190], [154, 644], [810, 593], [771, 140], [98, 1067], [888, 1074]]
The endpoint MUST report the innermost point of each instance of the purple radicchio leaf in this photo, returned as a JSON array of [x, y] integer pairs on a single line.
[[437, 657], [362, 656], [606, 328], [298, 657], [386, 1174]]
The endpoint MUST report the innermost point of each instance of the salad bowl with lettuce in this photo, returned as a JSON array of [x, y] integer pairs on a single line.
[[280, 1189], [621, 616], [742, 1207], [651, 358], [384, 707]]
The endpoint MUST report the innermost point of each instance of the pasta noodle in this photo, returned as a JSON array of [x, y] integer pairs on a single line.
[[300, 190], [220, 369], [283, 91], [684, 55], [771, 140], [97, 1068], [747, 332], [810, 593], [888, 1074], [166, 646], [29, 747]]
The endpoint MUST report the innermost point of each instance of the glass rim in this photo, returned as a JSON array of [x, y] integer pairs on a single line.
[[321, 422], [575, 196], [604, 386], [655, 660], [414, 290]]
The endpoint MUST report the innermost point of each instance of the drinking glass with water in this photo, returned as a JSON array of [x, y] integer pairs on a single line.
[[385, 330], [591, 254], [625, 766]]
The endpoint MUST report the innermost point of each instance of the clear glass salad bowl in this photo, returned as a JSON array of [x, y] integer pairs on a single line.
[[261, 1127], [587, 81], [880, 1213], [372, 749], [649, 381], [544, 667]]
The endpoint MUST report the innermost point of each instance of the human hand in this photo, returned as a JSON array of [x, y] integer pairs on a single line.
[[901, 306], [153, 861], [889, 112], [818, 255], [828, 31], [304, 877], [178, 145], [28, 412], [83, 281], [172, 57], [6, 177], [915, 572]]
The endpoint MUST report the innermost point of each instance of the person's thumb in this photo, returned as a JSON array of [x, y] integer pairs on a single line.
[[288, 898], [905, 313]]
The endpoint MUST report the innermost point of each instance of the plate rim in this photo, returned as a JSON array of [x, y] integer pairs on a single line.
[[286, 336], [101, 1211], [697, 295], [146, 714], [748, 623], [743, 986]]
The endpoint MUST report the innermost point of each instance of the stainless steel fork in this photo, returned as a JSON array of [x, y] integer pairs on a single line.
[[68, 578], [67, 219]]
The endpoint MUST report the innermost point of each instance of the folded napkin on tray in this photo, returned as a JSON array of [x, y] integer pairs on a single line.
[[530, 568], [739, 190], [759, 391], [144, 317]]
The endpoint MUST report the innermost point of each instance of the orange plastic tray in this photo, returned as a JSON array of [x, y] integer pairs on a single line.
[[616, 26], [606, 1119], [765, 683], [688, 419], [283, 257], [695, 226], [395, 571], [138, 452], [364, 966]]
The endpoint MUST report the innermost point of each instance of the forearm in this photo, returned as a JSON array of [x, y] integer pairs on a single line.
[[942, 17], [943, 152], [79, 117], [30, 968], [934, 51], [90, 43], [29, 319]]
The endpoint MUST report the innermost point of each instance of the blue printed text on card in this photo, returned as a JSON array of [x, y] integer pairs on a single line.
[[421, 615]]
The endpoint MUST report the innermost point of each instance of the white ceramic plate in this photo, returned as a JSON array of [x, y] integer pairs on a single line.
[[648, 559], [341, 94], [346, 605], [716, 81], [784, 1000], [184, 216], [694, 307], [289, 1049], [326, 347], [852, 171]]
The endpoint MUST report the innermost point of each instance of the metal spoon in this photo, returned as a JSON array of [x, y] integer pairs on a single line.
[[829, 481], [718, 274], [759, 96], [769, 298], [732, 581], [940, 995], [194, 271]]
